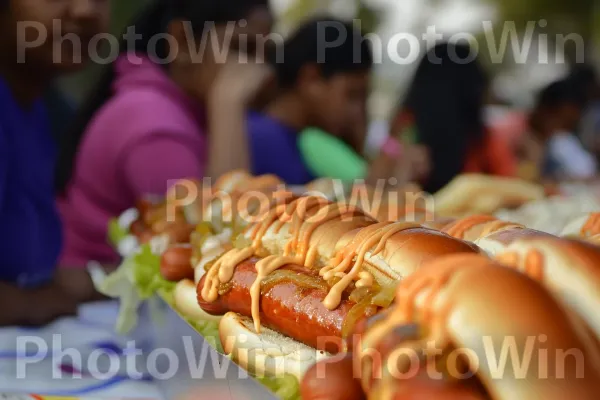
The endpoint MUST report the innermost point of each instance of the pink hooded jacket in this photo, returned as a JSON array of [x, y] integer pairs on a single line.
[[148, 133]]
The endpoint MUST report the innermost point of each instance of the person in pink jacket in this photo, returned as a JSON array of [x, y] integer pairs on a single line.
[[162, 112]]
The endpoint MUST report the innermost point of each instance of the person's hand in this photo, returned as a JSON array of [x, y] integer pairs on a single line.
[[413, 165], [47, 304], [241, 82], [420, 162]]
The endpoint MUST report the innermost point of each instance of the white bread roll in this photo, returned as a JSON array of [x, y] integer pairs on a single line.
[[467, 302], [583, 226], [569, 268], [497, 242], [186, 302], [268, 353], [483, 194]]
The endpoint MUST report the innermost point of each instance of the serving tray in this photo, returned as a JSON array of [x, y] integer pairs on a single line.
[[201, 371]]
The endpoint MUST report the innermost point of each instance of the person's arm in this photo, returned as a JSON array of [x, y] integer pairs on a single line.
[[34, 307], [502, 159], [146, 168], [149, 165], [28, 306], [574, 160], [78, 284], [232, 93], [228, 145]]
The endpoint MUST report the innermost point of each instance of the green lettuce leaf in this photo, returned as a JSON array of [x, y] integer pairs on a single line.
[[209, 331], [137, 279], [115, 232], [286, 387]]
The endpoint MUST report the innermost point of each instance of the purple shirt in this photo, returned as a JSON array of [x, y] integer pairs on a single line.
[[30, 230], [148, 133], [274, 150]]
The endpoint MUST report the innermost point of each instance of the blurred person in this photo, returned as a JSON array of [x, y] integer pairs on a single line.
[[32, 292], [61, 111], [444, 112], [316, 125], [151, 121], [341, 157], [585, 77], [554, 121]]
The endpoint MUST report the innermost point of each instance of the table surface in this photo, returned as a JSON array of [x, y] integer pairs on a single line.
[[79, 357], [83, 357]]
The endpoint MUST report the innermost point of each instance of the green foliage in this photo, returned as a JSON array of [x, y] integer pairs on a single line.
[[562, 16]]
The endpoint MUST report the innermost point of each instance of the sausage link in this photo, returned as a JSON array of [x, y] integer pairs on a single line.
[[175, 264], [286, 306]]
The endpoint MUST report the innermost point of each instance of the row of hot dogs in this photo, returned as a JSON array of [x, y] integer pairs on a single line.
[[359, 307]]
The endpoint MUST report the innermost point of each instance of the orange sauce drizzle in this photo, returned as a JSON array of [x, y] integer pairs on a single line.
[[359, 249], [433, 314], [531, 265], [594, 240], [510, 259], [459, 228], [496, 226], [298, 213], [591, 226]]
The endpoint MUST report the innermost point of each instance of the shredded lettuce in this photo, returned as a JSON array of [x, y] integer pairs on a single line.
[[137, 279], [209, 331], [116, 233], [286, 387]]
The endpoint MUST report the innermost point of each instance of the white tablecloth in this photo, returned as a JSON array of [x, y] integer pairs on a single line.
[[79, 356]]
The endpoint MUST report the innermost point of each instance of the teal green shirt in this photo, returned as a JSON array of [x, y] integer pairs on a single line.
[[326, 156]]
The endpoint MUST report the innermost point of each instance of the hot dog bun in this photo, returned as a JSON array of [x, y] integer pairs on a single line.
[[401, 255], [184, 297], [482, 194], [497, 242], [461, 302], [230, 181], [569, 268], [595, 240], [322, 240], [474, 227], [334, 380], [584, 226], [268, 353]]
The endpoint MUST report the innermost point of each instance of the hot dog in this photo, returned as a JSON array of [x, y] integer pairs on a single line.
[[482, 194], [291, 304], [569, 268], [497, 242], [339, 255], [459, 302], [474, 227], [175, 263], [584, 226]]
